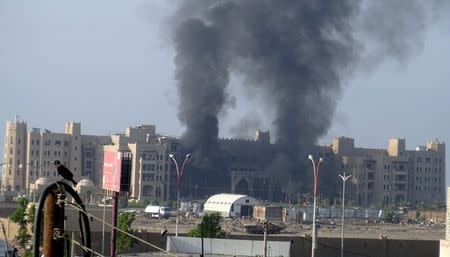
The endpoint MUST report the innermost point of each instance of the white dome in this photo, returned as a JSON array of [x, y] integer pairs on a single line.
[[43, 181], [85, 183]]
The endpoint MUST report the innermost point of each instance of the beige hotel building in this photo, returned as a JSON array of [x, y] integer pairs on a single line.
[[380, 177]]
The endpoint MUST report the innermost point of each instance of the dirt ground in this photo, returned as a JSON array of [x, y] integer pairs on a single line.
[[328, 228]]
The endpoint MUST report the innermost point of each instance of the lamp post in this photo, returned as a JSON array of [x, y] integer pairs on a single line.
[[103, 223], [179, 176], [316, 176], [344, 178]]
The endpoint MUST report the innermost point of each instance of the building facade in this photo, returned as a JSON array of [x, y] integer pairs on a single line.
[[380, 177], [28, 158], [28, 155], [393, 176], [152, 173]]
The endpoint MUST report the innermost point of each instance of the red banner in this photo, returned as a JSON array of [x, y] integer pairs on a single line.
[[112, 162]]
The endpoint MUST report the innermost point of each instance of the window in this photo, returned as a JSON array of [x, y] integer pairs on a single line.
[[37, 142], [18, 141], [32, 141], [58, 142], [48, 142], [37, 152], [419, 159], [32, 152], [427, 160], [148, 177]]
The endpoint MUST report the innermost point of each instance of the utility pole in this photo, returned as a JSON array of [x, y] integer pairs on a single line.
[[201, 233], [265, 228], [4, 234], [53, 243], [115, 207]]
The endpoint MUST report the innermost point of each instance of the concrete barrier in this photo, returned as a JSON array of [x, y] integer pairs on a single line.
[[234, 247]]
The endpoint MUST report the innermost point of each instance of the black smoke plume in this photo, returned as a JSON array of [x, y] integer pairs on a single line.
[[295, 53]]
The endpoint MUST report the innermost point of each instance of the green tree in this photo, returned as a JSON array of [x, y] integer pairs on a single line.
[[125, 242], [209, 227], [23, 216]]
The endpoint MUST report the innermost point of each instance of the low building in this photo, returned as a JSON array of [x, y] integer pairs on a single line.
[[269, 213], [231, 205]]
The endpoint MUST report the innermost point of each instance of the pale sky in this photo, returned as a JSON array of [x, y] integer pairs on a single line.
[[109, 65]]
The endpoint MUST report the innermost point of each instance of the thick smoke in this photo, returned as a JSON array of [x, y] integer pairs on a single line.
[[202, 72], [246, 126], [295, 53]]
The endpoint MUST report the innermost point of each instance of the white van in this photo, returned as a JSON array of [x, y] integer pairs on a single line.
[[157, 212]]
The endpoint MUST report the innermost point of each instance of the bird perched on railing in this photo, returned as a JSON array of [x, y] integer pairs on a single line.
[[64, 172]]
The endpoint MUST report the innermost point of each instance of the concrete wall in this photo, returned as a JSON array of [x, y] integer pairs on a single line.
[[226, 246], [327, 247]]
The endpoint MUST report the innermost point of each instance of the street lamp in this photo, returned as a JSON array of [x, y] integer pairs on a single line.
[[179, 176], [344, 178], [316, 176], [103, 223]]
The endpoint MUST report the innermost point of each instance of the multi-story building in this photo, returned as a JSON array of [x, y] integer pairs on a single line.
[[394, 175], [379, 176], [28, 157], [152, 171], [28, 154]]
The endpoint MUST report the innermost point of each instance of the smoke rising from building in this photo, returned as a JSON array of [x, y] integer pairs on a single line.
[[296, 53]]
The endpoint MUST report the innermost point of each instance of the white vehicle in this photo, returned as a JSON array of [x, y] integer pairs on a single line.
[[157, 212]]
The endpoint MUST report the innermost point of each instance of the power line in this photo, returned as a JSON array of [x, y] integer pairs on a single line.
[[84, 247], [123, 231]]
